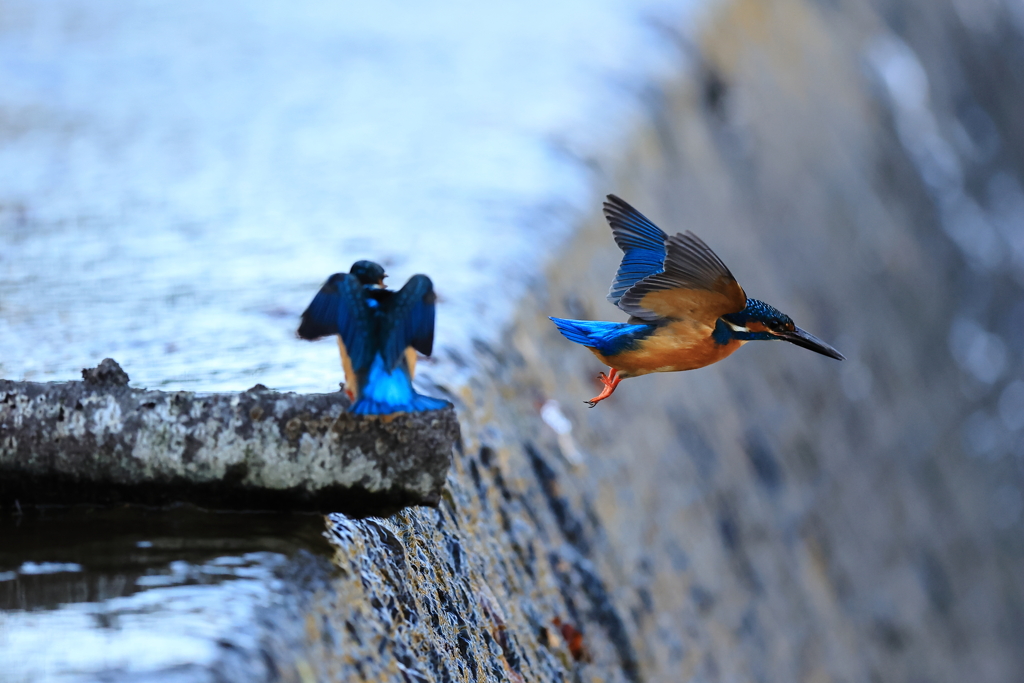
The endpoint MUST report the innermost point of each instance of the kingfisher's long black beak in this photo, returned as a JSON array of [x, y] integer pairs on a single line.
[[809, 341]]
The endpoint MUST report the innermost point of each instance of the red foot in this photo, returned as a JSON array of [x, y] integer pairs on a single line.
[[610, 382]]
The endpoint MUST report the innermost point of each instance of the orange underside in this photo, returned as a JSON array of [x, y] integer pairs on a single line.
[[673, 348]]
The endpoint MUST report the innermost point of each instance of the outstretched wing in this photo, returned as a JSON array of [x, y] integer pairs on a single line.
[[695, 284], [409, 320], [642, 242], [340, 308]]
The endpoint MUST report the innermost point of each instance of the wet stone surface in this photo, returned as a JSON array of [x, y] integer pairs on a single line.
[[127, 594], [100, 441]]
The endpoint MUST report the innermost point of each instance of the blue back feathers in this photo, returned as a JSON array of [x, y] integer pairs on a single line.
[[372, 320], [608, 338], [376, 325]]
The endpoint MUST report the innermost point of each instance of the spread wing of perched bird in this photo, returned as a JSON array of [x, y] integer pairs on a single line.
[[686, 309], [379, 332]]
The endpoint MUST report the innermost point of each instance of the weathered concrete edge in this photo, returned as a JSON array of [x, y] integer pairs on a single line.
[[102, 442]]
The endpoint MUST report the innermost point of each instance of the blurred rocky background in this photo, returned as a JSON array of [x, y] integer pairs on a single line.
[[776, 517]]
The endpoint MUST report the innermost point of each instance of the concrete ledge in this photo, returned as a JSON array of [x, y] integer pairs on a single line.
[[100, 441]]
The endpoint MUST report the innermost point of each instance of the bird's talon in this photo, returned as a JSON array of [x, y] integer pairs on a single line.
[[610, 381]]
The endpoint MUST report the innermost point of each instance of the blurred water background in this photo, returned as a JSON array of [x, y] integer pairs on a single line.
[[179, 178]]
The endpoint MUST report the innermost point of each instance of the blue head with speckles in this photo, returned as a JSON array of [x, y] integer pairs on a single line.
[[757, 321], [758, 315]]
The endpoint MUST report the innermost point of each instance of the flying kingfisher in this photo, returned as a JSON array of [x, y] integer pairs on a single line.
[[685, 308], [379, 332]]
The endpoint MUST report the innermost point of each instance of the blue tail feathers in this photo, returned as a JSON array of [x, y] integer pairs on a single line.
[[383, 392], [608, 338], [418, 403]]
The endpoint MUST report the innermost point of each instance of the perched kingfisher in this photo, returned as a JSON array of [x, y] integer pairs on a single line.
[[685, 308], [379, 332]]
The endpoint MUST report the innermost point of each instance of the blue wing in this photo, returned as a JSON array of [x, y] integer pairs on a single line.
[[409, 320], [340, 308], [694, 285], [608, 338], [642, 242]]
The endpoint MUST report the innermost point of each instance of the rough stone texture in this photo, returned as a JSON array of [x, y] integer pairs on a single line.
[[100, 441]]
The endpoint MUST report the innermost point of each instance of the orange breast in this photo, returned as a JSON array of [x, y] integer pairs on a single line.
[[410, 359], [351, 382], [683, 345]]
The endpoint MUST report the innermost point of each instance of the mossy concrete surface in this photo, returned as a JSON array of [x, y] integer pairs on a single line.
[[101, 441]]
